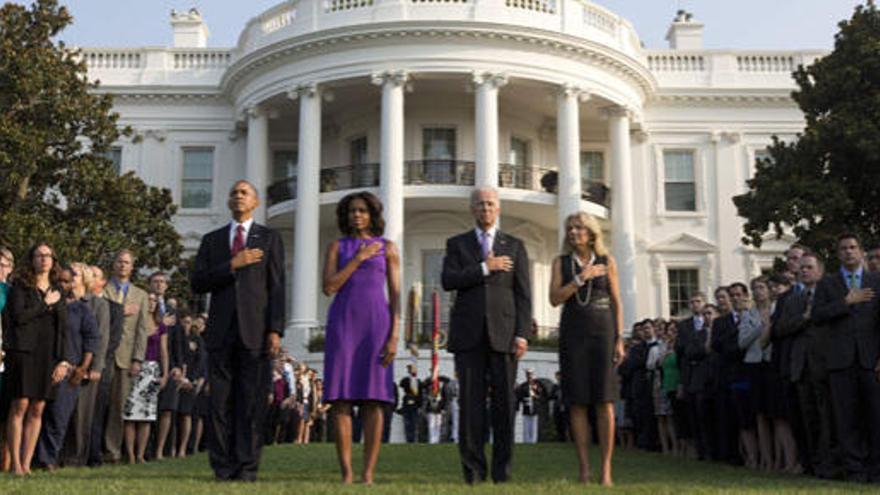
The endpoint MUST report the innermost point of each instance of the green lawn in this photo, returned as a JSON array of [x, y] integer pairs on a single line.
[[421, 469]]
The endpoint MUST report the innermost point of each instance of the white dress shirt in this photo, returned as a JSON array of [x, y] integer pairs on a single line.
[[247, 224]]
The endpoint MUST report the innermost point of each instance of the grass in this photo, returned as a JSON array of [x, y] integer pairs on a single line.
[[422, 469]]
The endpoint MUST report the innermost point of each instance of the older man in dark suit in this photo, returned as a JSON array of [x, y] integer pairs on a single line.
[[242, 266], [846, 302], [796, 330], [492, 314]]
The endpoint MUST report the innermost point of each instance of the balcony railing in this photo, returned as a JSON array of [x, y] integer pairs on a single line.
[[332, 179], [438, 172], [526, 177], [282, 190]]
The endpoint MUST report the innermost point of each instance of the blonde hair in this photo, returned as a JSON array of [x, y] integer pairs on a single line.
[[592, 226], [6, 253], [85, 271]]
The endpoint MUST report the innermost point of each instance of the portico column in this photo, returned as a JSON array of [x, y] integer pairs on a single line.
[[257, 163], [306, 249], [486, 124], [622, 215], [568, 139], [391, 152]]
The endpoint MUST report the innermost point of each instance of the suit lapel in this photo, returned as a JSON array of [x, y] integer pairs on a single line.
[[223, 239], [474, 246], [254, 236], [499, 245]]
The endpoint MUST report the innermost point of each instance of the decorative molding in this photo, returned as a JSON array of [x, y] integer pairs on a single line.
[[568, 90], [656, 269], [158, 134], [640, 136], [616, 111], [495, 79], [733, 98], [683, 243], [396, 77], [308, 89], [604, 57], [732, 137]]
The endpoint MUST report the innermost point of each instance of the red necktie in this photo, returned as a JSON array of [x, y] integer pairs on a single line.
[[238, 242]]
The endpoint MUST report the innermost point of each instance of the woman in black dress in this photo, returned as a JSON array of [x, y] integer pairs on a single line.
[[590, 335], [36, 340]]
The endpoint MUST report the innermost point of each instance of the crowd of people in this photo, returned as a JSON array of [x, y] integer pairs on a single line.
[[779, 374], [73, 337]]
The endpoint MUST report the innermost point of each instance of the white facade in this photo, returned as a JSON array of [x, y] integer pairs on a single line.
[[420, 100]]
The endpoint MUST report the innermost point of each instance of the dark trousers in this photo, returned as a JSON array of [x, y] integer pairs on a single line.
[[56, 418], [410, 423], [816, 420], [726, 427], [239, 380], [99, 420], [855, 395], [478, 369]]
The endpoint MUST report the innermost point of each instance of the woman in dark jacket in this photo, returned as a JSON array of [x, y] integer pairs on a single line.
[[35, 342]]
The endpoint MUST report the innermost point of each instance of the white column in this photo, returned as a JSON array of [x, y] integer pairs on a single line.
[[623, 239], [306, 249], [391, 152], [486, 125], [257, 167], [568, 139]]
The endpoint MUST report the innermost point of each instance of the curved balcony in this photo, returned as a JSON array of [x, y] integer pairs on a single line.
[[438, 172], [332, 179], [579, 18]]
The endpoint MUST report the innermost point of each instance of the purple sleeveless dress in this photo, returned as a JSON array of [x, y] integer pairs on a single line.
[[358, 323]]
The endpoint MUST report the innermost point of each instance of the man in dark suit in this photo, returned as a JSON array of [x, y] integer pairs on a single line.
[[796, 330], [491, 316], [412, 403], [730, 368], [690, 329], [242, 266], [846, 302]]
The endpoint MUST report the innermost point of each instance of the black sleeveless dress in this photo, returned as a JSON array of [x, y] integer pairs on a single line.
[[587, 332]]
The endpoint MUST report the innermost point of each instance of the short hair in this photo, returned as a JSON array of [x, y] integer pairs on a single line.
[[592, 225], [249, 184], [741, 285], [155, 274], [711, 306], [796, 245], [6, 253], [721, 288], [476, 192], [779, 279], [819, 262], [761, 279], [848, 235], [377, 223], [127, 251], [699, 294]]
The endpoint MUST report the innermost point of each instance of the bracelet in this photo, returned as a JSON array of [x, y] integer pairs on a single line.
[[578, 281]]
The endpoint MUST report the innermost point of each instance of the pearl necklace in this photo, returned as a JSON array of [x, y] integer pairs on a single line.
[[574, 271]]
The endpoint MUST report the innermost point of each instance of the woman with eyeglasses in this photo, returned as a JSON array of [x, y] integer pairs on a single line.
[[36, 340]]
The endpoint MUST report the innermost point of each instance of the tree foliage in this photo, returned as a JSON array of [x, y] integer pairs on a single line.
[[56, 184], [827, 181]]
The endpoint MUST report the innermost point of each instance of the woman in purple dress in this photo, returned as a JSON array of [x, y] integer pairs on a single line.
[[362, 326]]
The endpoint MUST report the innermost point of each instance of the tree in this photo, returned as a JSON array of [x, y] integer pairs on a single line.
[[56, 184], [827, 181]]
